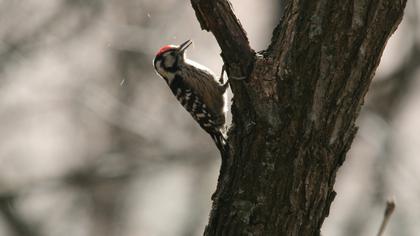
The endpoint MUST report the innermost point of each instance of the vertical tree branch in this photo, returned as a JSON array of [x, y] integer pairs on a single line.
[[294, 118], [390, 207], [218, 17]]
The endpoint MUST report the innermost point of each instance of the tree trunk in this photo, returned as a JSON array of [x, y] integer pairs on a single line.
[[294, 115]]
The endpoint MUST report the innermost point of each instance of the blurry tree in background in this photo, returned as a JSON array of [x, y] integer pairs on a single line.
[[93, 143]]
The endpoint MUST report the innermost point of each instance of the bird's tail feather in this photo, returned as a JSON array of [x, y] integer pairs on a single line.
[[221, 144]]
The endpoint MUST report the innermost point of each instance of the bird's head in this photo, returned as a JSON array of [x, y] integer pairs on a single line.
[[168, 58]]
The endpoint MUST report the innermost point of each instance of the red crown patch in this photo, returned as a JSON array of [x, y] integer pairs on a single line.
[[165, 49]]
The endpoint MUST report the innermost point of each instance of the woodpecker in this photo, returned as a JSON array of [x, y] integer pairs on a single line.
[[196, 88]]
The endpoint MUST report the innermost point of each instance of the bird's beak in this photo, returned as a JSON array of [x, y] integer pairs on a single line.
[[184, 46]]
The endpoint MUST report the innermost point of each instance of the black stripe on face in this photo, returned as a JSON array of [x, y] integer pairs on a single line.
[[177, 84]]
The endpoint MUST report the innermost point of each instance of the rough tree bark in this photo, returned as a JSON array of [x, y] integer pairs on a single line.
[[294, 116]]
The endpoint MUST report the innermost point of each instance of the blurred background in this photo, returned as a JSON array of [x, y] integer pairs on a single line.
[[92, 142]]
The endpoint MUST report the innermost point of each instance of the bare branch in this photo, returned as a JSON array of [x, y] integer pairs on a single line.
[[218, 17], [17, 224], [390, 207]]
